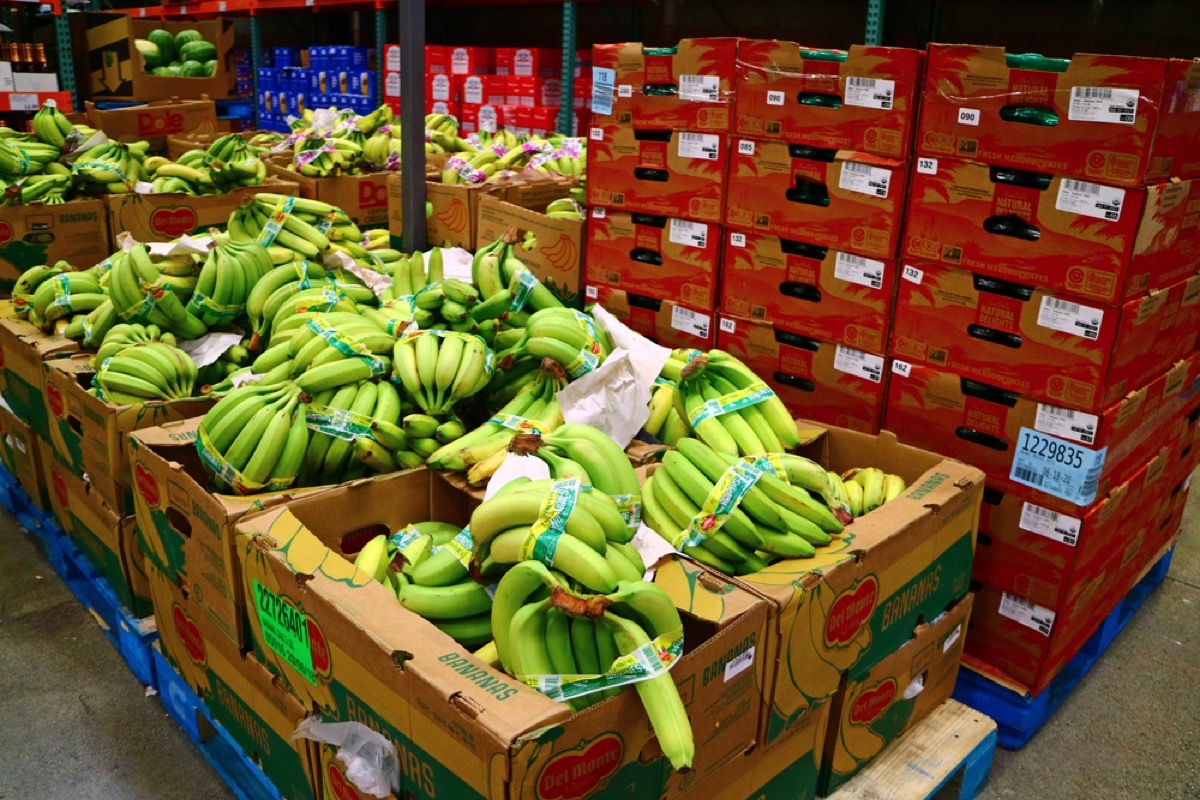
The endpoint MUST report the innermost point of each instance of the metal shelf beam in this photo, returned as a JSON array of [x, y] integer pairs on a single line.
[[412, 122]]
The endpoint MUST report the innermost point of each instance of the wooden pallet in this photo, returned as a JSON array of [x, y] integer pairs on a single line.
[[946, 757]]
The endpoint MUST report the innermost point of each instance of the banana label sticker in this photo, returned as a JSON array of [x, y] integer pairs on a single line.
[[541, 542], [646, 662], [291, 634], [851, 610], [577, 773], [589, 357], [722, 501], [757, 392]]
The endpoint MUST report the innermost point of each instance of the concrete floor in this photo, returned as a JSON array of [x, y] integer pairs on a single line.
[[74, 722]]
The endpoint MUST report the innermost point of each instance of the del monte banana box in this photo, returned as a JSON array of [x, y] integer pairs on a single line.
[[786, 769], [155, 121], [185, 529], [90, 435], [23, 348], [881, 702], [20, 452], [346, 647], [238, 691], [75, 232], [162, 217]]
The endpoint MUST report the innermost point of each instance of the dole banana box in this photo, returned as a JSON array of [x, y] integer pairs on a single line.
[[75, 232], [879, 703], [840, 199], [23, 348], [862, 596], [363, 197], [108, 540], [155, 121], [346, 647], [828, 294], [669, 173], [1002, 432], [864, 98], [186, 529], [689, 86], [1041, 344], [90, 435], [665, 322], [161, 217], [663, 258], [21, 454], [1100, 242], [1089, 116], [240, 693], [1177, 139], [829, 383]]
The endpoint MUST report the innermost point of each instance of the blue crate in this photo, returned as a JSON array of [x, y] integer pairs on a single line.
[[1020, 716], [241, 774], [16, 501]]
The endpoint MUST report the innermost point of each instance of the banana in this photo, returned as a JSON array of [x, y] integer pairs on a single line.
[[375, 558], [464, 599], [893, 487]]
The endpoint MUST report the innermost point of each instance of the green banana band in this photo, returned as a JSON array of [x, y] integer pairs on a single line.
[[403, 538], [462, 546], [541, 542], [210, 312], [661, 381], [757, 392], [725, 497], [526, 281], [344, 343], [520, 424], [142, 309], [770, 463], [338, 422], [326, 223], [275, 222], [648, 661], [229, 474], [589, 356], [630, 506]]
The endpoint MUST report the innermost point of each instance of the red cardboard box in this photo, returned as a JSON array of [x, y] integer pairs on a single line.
[[1177, 140], [450, 107], [441, 88], [840, 199], [862, 99], [816, 380], [478, 90], [1101, 242], [527, 61], [658, 257], [686, 87], [1037, 343], [675, 174], [663, 321], [470, 60], [437, 59], [983, 104], [983, 425], [834, 296]]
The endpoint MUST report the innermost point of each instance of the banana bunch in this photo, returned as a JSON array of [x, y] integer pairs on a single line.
[[565, 208], [321, 157], [327, 351], [256, 437], [200, 172], [124, 336], [309, 228], [350, 424], [739, 516], [433, 301], [569, 157], [865, 489], [506, 285], [21, 157], [109, 168], [381, 150], [145, 372], [440, 368], [304, 299], [236, 162], [51, 126], [426, 433], [266, 140], [565, 335], [51, 187], [139, 294], [664, 422], [481, 165], [61, 297], [502, 137], [585, 453], [232, 361], [231, 271], [29, 281]]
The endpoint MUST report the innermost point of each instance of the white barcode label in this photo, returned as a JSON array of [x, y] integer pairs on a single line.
[[739, 664], [865, 179], [23, 102], [1031, 615], [901, 368], [688, 321], [775, 98], [745, 147], [1066, 423], [700, 88], [1103, 104], [1057, 466], [625, 90], [699, 145], [856, 269], [591, 292], [596, 134], [599, 213], [728, 325], [857, 363], [603, 81], [954, 636], [1090, 199], [912, 274], [927, 166], [737, 239], [1051, 524], [689, 234], [870, 93], [1062, 315], [968, 116]]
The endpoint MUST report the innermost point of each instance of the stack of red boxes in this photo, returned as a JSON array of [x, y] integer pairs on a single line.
[[657, 159], [1045, 328], [817, 177]]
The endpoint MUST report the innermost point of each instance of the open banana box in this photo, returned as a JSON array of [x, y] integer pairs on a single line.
[[23, 348], [345, 647]]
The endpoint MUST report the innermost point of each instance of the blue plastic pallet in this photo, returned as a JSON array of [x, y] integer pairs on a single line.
[[1020, 716], [242, 775], [16, 501]]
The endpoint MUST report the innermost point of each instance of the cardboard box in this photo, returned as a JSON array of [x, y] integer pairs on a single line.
[[108, 540], [162, 217], [838, 199], [363, 197], [881, 702], [185, 529], [471, 60], [43, 234], [557, 260], [663, 321], [831, 295], [20, 453], [155, 121], [659, 257], [1099, 242], [1177, 139], [1000, 431], [1090, 116], [23, 348], [528, 61], [829, 383], [689, 86], [676, 174], [1036, 342], [864, 98], [238, 691], [786, 769], [463, 729], [90, 435]]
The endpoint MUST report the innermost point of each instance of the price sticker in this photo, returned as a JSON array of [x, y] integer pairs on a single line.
[[1057, 466]]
